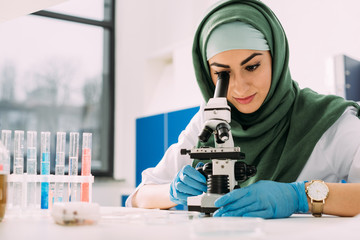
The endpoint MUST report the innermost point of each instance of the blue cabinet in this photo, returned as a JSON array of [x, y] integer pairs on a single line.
[[347, 77], [150, 143], [352, 79], [154, 134]]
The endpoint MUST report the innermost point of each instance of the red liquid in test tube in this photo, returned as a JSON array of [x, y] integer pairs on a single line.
[[86, 165]]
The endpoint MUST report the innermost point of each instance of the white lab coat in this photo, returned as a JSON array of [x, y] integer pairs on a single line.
[[336, 156]]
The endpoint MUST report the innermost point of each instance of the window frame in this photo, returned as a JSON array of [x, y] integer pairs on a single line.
[[110, 26]]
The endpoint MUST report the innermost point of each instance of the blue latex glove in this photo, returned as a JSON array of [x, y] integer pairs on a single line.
[[265, 199], [188, 182]]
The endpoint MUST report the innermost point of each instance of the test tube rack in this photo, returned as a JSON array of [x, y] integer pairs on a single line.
[[23, 190], [23, 179]]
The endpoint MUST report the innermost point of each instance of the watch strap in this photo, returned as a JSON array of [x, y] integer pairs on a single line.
[[317, 208]]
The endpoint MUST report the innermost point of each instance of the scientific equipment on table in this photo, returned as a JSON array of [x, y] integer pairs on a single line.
[[3, 176], [225, 171], [6, 141], [31, 166], [76, 213], [30, 195], [45, 168], [86, 165], [60, 164], [73, 163], [18, 167]]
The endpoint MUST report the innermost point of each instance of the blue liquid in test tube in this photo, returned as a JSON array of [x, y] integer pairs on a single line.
[[45, 168]]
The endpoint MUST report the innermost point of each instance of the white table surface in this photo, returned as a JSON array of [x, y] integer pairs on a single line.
[[124, 223]]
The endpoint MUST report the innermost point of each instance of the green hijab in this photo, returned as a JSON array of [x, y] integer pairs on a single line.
[[280, 136]]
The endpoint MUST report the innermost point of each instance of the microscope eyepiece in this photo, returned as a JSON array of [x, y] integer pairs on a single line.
[[222, 84], [224, 75]]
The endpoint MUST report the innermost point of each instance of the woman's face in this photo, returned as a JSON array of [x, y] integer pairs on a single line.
[[250, 76]]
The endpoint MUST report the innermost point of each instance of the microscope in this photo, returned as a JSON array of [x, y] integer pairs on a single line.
[[224, 171]]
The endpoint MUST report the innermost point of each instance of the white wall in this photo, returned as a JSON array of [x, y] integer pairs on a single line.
[[153, 68], [317, 30], [153, 57]]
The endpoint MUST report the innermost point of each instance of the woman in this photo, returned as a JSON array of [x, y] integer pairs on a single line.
[[292, 136]]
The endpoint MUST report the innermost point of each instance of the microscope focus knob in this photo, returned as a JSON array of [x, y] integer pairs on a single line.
[[244, 171], [222, 132], [184, 151], [250, 170]]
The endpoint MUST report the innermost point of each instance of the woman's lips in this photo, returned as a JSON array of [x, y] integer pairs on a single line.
[[245, 100]]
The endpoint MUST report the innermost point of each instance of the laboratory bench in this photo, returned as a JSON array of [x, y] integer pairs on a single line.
[[127, 223]]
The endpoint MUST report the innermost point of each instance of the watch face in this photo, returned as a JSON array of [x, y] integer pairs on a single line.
[[318, 191]]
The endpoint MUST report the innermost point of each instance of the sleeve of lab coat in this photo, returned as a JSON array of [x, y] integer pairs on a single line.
[[173, 161]]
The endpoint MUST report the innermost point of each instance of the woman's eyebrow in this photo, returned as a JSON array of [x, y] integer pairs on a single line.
[[219, 65], [250, 57], [242, 63]]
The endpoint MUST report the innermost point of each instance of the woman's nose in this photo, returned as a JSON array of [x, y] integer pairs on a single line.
[[238, 85]]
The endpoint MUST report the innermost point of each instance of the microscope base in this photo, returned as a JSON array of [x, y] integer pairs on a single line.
[[203, 203]]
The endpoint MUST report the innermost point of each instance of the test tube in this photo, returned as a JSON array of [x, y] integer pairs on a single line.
[[3, 181], [45, 168], [86, 165], [31, 138], [73, 163], [60, 164], [18, 166], [6, 141]]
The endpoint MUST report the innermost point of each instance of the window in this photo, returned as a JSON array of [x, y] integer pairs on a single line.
[[57, 74]]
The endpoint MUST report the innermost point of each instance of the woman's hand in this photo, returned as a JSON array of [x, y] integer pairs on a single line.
[[188, 182], [265, 199]]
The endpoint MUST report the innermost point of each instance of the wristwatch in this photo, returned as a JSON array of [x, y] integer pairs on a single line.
[[317, 191]]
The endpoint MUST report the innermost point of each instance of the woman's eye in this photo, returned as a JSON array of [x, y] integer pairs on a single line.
[[252, 68], [217, 73]]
